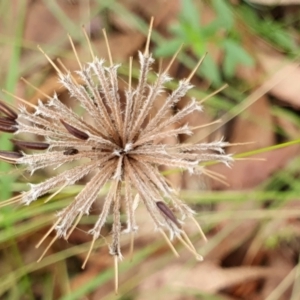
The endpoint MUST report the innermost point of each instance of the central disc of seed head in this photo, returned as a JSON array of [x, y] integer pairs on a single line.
[[123, 151], [124, 146]]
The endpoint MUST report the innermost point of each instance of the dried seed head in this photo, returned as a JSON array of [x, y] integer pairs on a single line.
[[123, 145]]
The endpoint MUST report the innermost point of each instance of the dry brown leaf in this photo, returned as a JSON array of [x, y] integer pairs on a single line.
[[255, 124], [248, 174], [164, 11], [288, 89], [234, 239], [282, 265], [252, 125], [290, 129], [83, 278], [284, 85], [174, 281], [43, 27]]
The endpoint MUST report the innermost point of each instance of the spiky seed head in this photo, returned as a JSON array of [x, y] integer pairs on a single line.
[[123, 145]]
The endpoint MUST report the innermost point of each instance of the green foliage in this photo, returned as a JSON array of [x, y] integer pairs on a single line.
[[12, 76], [234, 54], [271, 30], [220, 32]]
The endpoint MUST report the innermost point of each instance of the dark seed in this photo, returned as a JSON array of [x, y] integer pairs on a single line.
[[8, 128], [31, 145], [74, 131], [167, 212], [10, 155], [70, 151], [8, 111], [8, 125], [7, 121]]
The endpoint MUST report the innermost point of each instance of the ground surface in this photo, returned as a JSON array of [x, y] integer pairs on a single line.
[[252, 221]]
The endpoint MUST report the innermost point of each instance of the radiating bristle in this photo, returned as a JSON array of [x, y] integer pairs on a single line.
[[173, 59], [74, 226], [30, 145], [48, 247], [196, 67], [89, 253], [200, 229], [188, 247], [116, 275], [54, 194], [62, 65], [46, 234], [50, 60], [35, 88], [214, 93], [8, 111], [19, 98], [75, 52], [131, 246], [250, 158], [130, 74], [206, 125], [146, 52], [169, 242], [107, 46], [89, 42], [215, 176], [74, 131], [10, 201]]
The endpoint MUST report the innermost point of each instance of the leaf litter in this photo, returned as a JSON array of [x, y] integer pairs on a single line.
[[224, 272]]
